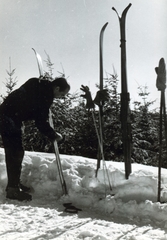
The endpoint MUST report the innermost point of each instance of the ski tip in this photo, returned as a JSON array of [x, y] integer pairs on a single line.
[[113, 8], [105, 25], [67, 204], [69, 208], [34, 50]]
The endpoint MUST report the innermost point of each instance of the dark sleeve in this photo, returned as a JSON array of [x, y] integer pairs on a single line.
[[42, 123], [44, 99]]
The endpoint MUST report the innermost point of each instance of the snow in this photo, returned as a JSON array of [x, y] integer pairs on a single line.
[[129, 211]]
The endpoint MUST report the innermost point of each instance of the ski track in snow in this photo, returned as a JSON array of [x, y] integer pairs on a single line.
[[126, 215], [33, 222]]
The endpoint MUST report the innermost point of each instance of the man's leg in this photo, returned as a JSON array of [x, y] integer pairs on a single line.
[[13, 159], [14, 154]]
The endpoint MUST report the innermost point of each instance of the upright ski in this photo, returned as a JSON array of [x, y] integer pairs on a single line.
[[62, 180], [100, 149], [39, 62], [125, 97]]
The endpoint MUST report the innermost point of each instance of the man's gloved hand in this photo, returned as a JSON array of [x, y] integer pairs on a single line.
[[59, 137], [87, 96], [101, 95]]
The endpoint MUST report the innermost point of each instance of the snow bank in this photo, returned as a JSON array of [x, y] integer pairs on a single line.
[[135, 197]]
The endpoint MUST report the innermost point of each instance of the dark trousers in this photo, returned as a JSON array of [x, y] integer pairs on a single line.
[[12, 140]]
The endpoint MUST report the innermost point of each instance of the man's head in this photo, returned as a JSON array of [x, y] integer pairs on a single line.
[[60, 87]]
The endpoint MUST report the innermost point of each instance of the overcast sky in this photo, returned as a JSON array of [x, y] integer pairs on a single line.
[[68, 30]]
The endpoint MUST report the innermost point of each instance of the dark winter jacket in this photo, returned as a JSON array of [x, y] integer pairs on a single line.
[[30, 102]]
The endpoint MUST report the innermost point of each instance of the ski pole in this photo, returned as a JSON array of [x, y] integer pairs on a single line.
[[102, 153], [58, 161]]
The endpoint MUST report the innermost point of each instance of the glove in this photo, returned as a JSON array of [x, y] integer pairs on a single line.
[[58, 137], [87, 96], [101, 95]]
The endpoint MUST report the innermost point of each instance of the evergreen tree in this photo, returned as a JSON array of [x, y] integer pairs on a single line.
[[11, 81], [144, 130], [112, 125]]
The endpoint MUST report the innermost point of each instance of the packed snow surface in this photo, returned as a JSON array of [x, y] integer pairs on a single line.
[[127, 211]]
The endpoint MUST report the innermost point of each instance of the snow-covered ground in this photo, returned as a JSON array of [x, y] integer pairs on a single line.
[[130, 211]]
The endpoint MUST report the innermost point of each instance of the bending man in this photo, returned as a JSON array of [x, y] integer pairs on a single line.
[[29, 102]]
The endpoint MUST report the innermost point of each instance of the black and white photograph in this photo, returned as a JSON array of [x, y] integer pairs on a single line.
[[83, 120]]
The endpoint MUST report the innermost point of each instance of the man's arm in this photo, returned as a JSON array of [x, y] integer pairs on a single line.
[[42, 123]]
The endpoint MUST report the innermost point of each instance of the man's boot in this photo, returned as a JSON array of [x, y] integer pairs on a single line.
[[17, 194], [13, 164], [24, 188]]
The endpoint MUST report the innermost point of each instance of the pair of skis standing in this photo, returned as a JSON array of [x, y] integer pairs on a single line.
[[125, 99], [101, 96]]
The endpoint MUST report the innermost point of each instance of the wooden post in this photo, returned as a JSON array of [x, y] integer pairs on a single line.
[[161, 85]]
